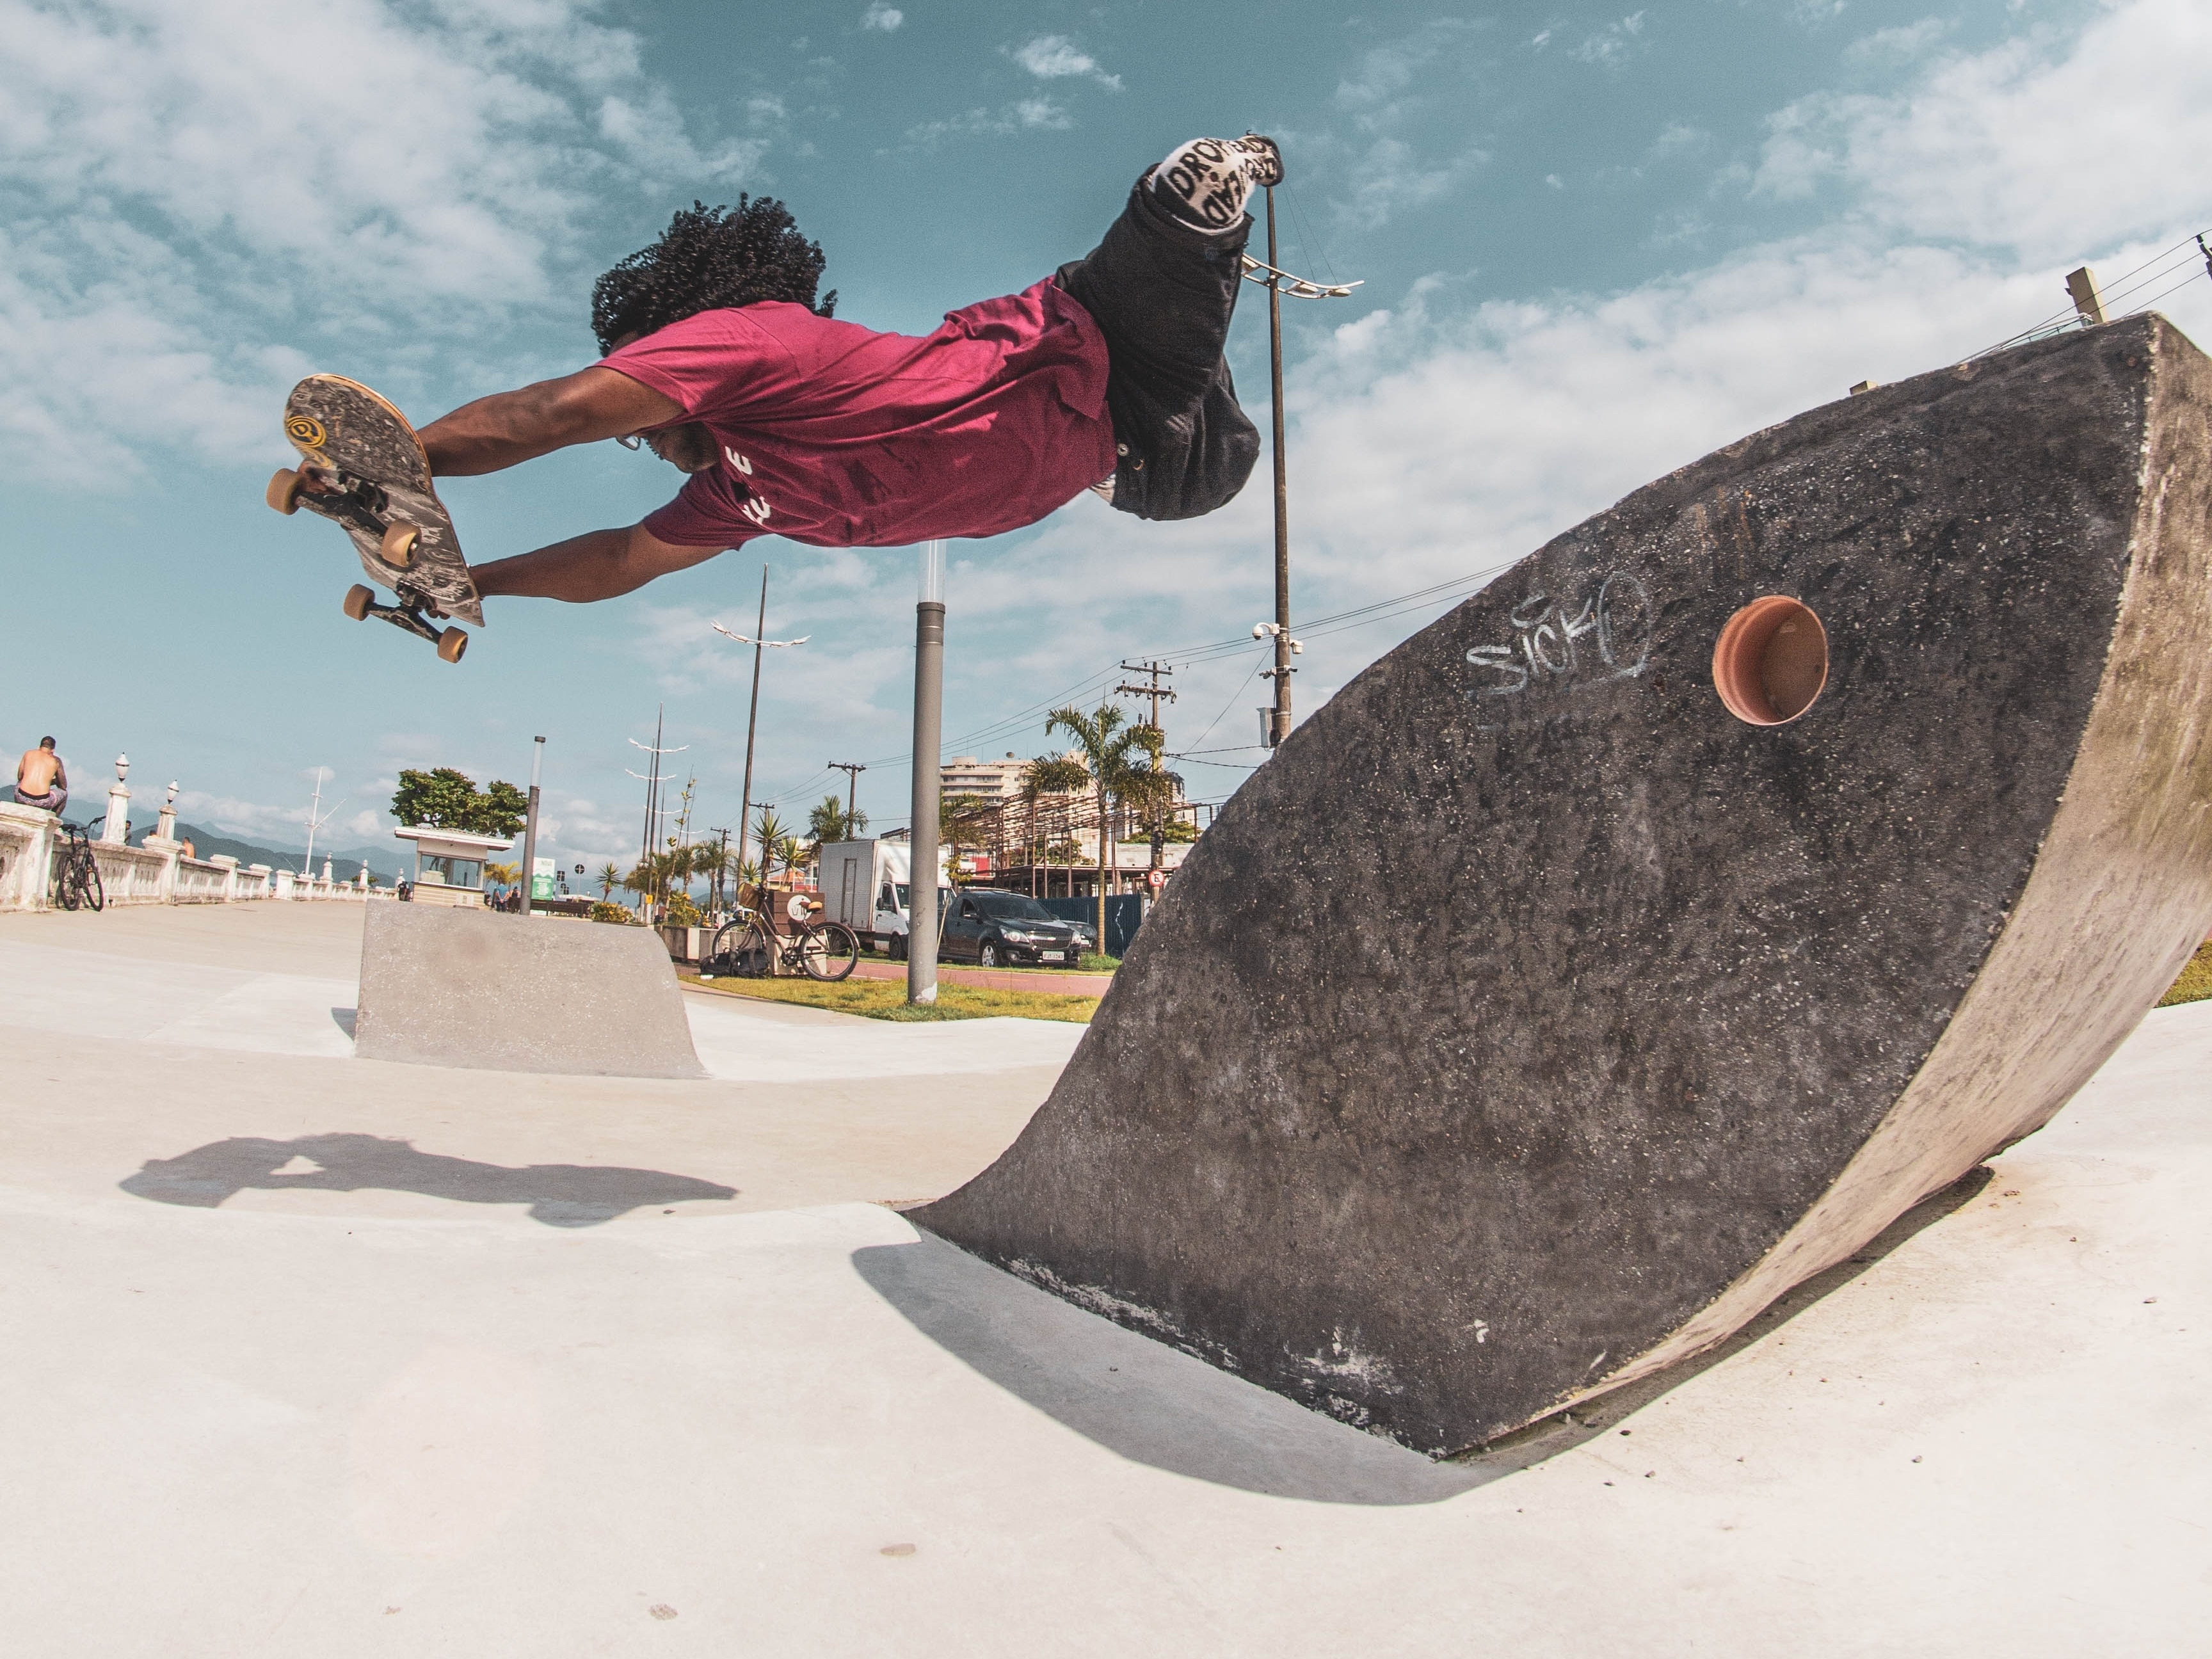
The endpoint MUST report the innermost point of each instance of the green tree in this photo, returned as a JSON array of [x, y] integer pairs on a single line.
[[446, 799], [1121, 758], [773, 834], [611, 878], [962, 821], [830, 822], [1048, 774]]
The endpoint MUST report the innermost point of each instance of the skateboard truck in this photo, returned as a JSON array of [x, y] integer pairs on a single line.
[[361, 603], [363, 505]]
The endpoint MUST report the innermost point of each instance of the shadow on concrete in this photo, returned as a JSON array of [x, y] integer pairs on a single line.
[[1138, 1398], [558, 1195], [1155, 1405], [344, 1019]]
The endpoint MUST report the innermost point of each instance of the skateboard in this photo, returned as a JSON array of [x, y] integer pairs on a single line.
[[362, 466]]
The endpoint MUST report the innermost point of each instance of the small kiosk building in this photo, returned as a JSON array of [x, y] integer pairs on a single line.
[[449, 864]]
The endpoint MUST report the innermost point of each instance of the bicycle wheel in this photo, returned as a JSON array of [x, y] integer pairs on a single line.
[[830, 951], [90, 883], [67, 892], [752, 955]]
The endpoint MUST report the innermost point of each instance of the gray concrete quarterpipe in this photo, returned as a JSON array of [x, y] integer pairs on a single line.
[[519, 993], [1647, 933]]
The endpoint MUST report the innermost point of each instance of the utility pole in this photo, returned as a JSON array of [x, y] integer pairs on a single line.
[[1281, 727], [929, 739], [1277, 281], [530, 829], [1155, 690], [752, 724], [851, 769], [752, 713]]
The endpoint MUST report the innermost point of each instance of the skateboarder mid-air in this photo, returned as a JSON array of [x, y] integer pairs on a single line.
[[1107, 375]]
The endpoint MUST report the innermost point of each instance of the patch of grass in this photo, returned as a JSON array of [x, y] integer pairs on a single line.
[[884, 999], [2195, 984]]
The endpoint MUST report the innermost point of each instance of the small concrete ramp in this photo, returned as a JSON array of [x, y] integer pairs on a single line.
[[519, 993]]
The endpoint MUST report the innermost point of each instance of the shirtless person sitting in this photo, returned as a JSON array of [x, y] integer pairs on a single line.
[[1107, 375], [40, 779]]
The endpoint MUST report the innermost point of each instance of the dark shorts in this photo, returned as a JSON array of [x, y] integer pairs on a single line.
[[1163, 293]]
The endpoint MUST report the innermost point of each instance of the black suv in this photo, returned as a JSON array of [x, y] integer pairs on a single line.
[[991, 926]]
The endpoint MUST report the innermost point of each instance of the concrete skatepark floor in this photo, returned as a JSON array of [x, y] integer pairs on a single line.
[[310, 1355]]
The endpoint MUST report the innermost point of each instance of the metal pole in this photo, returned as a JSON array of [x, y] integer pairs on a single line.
[[929, 739], [752, 719], [530, 829], [1282, 722]]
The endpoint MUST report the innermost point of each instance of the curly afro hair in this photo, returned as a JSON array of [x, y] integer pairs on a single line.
[[707, 258]]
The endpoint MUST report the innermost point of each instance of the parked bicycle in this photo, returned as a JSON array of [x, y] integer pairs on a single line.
[[76, 873], [746, 947]]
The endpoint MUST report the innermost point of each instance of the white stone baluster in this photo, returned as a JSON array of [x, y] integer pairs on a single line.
[[118, 827]]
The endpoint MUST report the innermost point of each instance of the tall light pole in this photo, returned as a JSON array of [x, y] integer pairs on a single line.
[[1280, 728], [530, 829], [1279, 281], [752, 713], [652, 794], [929, 739]]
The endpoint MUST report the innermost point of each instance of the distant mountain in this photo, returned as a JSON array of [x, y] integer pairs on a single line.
[[345, 863]]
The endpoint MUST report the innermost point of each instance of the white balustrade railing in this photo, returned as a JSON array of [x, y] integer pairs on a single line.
[[156, 872]]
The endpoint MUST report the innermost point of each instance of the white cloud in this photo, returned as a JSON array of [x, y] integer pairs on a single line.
[[1898, 44], [1610, 46], [1054, 57], [882, 17], [1388, 172], [1024, 115], [2050, 145], [188, 203]]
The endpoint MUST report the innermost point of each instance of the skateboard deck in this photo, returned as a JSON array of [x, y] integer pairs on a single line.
[[363, 466]]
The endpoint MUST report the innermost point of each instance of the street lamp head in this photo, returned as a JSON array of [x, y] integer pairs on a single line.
[[1260, 631], [122, 768]]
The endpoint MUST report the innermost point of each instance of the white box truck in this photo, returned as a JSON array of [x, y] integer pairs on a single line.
[[863, 884]]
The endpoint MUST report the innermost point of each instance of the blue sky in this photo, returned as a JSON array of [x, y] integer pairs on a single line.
[[1595, 243]]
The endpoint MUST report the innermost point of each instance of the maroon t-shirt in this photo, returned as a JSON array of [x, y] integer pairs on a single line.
[[834, 435]]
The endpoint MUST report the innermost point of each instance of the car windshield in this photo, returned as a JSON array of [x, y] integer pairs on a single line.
[[1011, 906]]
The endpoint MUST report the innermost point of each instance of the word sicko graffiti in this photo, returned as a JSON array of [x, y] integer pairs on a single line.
[[1605, 637]]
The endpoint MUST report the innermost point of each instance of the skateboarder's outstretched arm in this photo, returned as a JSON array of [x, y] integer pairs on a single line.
[[596, 565], [509, 428], [512, 427]]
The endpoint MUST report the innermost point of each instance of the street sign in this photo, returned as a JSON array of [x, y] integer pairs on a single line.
[[1158, 879], [541, 879]]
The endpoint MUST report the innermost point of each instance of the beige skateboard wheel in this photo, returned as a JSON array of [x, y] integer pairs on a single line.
[[358, 599], [283, 493], [452, 643], [398, 547]]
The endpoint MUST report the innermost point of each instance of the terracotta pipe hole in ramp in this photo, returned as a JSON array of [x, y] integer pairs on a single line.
[[1771, 661]]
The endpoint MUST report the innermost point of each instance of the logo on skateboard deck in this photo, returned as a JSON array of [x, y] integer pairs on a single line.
[[304, 431]]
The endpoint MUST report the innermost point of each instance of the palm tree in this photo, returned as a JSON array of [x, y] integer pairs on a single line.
[[773, 833], [831, 822], [610, 878], [1111, 748], [960, 820], [1048, 774]]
